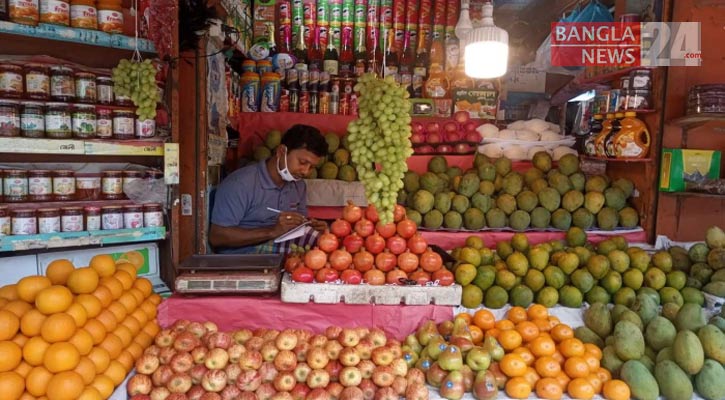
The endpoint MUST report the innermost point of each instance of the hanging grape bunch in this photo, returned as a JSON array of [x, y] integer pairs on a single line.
[[380, 136], [137, 80]]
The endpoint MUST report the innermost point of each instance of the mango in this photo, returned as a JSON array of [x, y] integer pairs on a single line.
[[587, 335], [709, 381], [610, 361], [646, 307], [674, 383], [690, 317], [598, 319], [713, 342], [715, 288], [632, 317], [642, 383], [660, 333], [688, 352], [665, 354], [629, 341]]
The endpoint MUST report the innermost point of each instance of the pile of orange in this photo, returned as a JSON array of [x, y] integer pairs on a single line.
[[74, 333], [544, 357]]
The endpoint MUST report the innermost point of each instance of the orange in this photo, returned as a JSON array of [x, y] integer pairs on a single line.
[[580, 388], [137, 295], [36, 383], [549, 389], [560, 332], [126, 359], [116, 372], [104, 295], [592, 361], [9, 292], [493, 332], [542, 346], [114, 285], [531, 376], [155, 299], [83, 280], [3, 301], [547, 367], [518, 388], [525, 354], [19, 339], [9, 325], [135, 349], [96, 329], [130, 268], [558, 357], [604, 375], [152, 328], [537, 311], [104, 386], [108, 320], [61, 357], [150, 309], [124, 334], [615, 390], [100, 359], [527, 330], [78, 313], [542, 324], [23, 369], [90, 393], [59, 270], [103, 264], [118, 310], [53, 299], [509, 339], [135, 257], [34, 350], [476, 334], [31, 322], [571, 347], [12, 385], [90, 303], [58, 327], [112, 344], [513, 365], [67, 385], [563, 380], [128, 302], [144, 285], [576, 367], [516, 314], [83, 341], [144, 339], [504, 325], [484, 319], [10, 355], [465, 316], [18, 307], [132, 324], [125, 278], [86, 369], [590, 348], [30, 286], [595, 382], [140, 316]]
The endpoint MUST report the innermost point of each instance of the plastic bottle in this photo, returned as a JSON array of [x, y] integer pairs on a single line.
[[633, 139], [589, 147], [609, 140], [599, 149]]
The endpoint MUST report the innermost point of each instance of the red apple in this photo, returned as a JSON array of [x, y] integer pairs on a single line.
[[333, 349], [233, 371], [165, 338], [179, 383], [317, 358], [399, 366], [415, 375], [318, 340], [450, 127], [301, 350], [416, 391], [210, 396], [362, 331], [300, 391], [284, 382], [162, 375], [179, 396], [210, 326], [230, 392], [196, 328], [383, 376], [199, 354], [427, 149], [303, 335], [254, 344], [318, 394], [444, 149], [235, 352], [334, 389], [220, 340], [366, 368], [269, 351], [462, 148], [286, 340], [417, 127], [249, 380], [378, 337], [214, 380], [147, 364], [251, 360], [268, 371], [417, 138], [217, 359], [242, 335], [382, 356], [333, 368], [469, 126], [301, 372], [265, 391], [453, 136], [351, 393], [285, 361], [368, 388], [386, 393], [473, 137], [349, 357], [350, 376], [159, 393], [139, 384], [318, 378], [180, 325], [348, 337], [181, 362], [186, 341], [197, 373], [365, 348], [399, 385], [433, 138], [152, 350], [281, 396], [247, 396]]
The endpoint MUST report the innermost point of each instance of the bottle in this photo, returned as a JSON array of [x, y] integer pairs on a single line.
[[300, 52], [375, 56], [420, 67], [633, 139], [390, 57], [347, 58], [599, 149], [271, 42], [331, 60], [407, 60], [609, 140], [453, 54], [588, 146], [293, 88], [315, 54], [437, 52], [437, 85], [360, 54], [463, 27], [459, 79]]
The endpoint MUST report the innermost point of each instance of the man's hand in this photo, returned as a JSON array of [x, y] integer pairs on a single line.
[[287, 221], [318, 225]]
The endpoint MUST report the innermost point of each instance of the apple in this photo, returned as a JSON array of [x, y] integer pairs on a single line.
[[268, 371], [286, 340], [368, 388], [249, 380], [247, 396], [366, 368], [349, 337], [260, 332], [317, 358], [180, 325], [282, 396], [152, 350], [210, 396], [400, 367], [318, 394], [162, 375], [382, 356], [214, 380], [139, 384], [265, 391], [433, 127], [318, 340], [285, 361], [351, 393], [284, 381], [196, 328], [333, 332], [233, 371], [301, 372], [186, 341], [399, 385], [254, 343], [349, 357], [416, 391], [333, 348], [386, 393], [140, 397], [230, 392], [300, 391], [333, 368], [444, 149], [378, 337], [462, 148], [364, 348], [197, 372], [351, 276], [303, 335], [362, 331], [350, 376], [179, 383], [178, 396], [210, 326], [270, 334], [181, 362], [318, 378], [269, 351], [217, 359], [195, 392], [221, 340], [242, 335], [415, 375], [199, 354], [417, 138], [165, 338], [235, 352], [251, 360], [334, 389], [147, 364], [383, 376], [395, 346], [301, 350], [159, 393]]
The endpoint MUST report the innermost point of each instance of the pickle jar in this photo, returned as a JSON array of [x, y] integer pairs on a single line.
[[24, 222], [112, 185], [84, 121], [62, 84], [104, 123], [37, 82], [48, 220], [64, 185], [15, 186], [88, 187], [11, 81], [40, 185], [129, 177], [86, 90], [32, 120], [123, 101], [133, 217], [92, 218], [83, 14], [111, 217], [71, 219], [56, 12], [5, 226], [153, 215], [58, 121], [104, 90], [123, 124], [24, 12], [9, 118]]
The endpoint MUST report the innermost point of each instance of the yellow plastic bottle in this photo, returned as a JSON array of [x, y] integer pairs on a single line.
[[633, 139], [599, 141], [609, 140]]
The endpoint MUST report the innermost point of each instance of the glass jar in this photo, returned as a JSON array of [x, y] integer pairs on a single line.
[[111, 217], [24, 222], [71, 219], [5, 226], [85, 83], [83, 14], [133, 217], [104, 123], [92, 218], [37, 82], [129, 177], [24, 12], [110, 18], [64, 185], [104, 90], [56, 12], [11, 81], [123, 101], [641, 79], [40, 185], [88, 187], [112, 185], [15, 186], [639, 99], [58, 121], [123, 121], [48, 220], [145, 128], [32, 120], [9, 118], [62, 84], [153, 215], [84, 121]]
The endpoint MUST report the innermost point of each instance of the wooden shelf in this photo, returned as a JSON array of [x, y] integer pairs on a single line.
[[695, 194], [617, 160], [94, 147], [693, 120], [80, 239], [610, 76], [60, 204], [86, 37]]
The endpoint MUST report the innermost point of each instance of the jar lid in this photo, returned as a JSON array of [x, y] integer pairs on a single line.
[[133, 172], [39, 171], [133, 207], [60, 68], [36, 65], [74, 209], [93, 208], [33, 104], [153, 205], [112, 172], [84, 107], [63, 105], [23, 211], [64, 172], [48, 210], [111, 208], [11, 66], [103, 78], [9, 102], [15, 171], [85, 74]]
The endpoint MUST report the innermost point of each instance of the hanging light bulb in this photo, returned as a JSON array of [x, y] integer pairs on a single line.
[[487, 48]]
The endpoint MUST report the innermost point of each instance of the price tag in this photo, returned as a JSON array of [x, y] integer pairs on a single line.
[[171, 163], [119, 149], [39, 146]]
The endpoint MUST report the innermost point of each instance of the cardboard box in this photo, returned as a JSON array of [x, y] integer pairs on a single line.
[[479, 103], [682, 165]]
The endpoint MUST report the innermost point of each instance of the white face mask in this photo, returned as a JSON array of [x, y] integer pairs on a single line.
[[284, 172]]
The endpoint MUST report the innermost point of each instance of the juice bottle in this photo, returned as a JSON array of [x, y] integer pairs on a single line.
[[633, 139], [609, 140], [599, 149], [588, 147]]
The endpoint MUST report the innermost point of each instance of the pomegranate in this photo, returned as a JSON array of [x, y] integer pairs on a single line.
[[351, 276], [462, 148], [291, 263], [326, 274], [417, 138], [353, 243], [375, 243], [394, 277], [469, 126], [407, 261], [351, 213], [417, 244], [328, 242], [340, 228], [371, 213], [406, 228], [424, 149], [473, 137], [385, 230], [444, 277], [340, 259], [398, 213], [444, 149], [303, 274], [433, 138], [453, 137], [461, 117], [315, 258], [385, 261], [450, 127], [396, 245], [374, 277], [363, 260], [433, 127], [420, 276], [364, 227], [417, 127], [430, 261]]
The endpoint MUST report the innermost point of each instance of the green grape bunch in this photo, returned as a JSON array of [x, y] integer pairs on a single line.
[[137, 80], [379, 141]]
